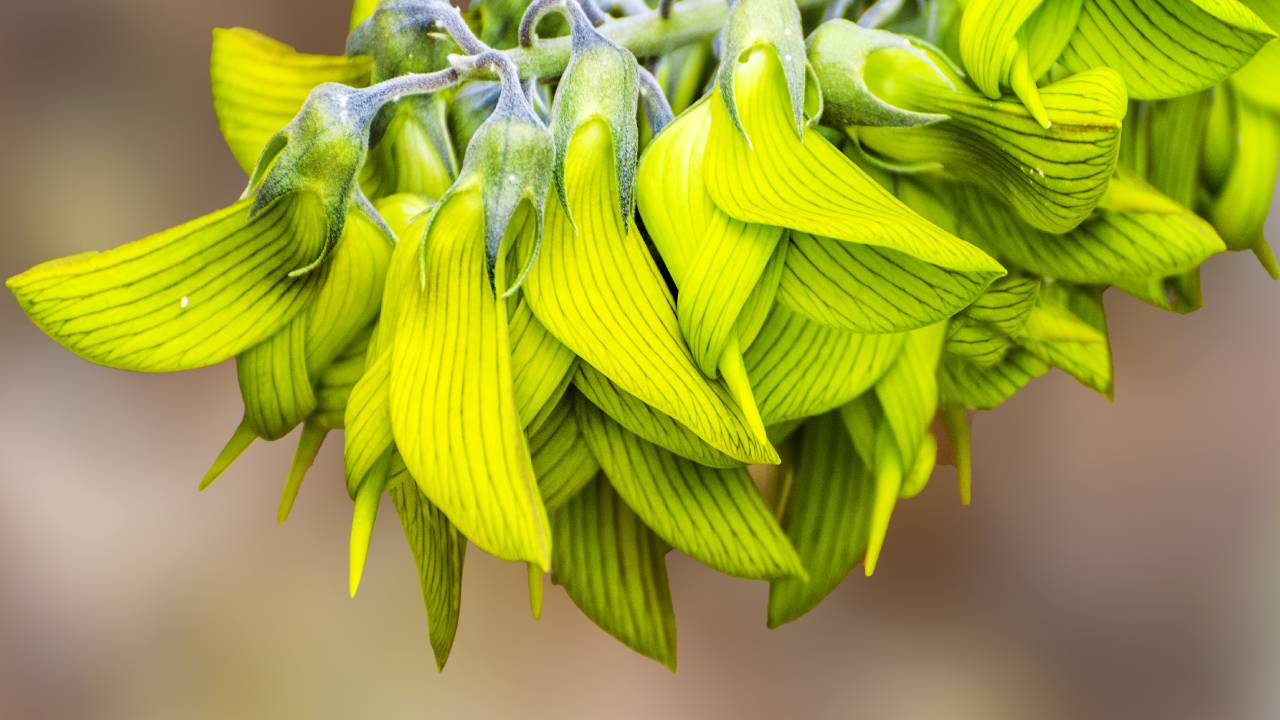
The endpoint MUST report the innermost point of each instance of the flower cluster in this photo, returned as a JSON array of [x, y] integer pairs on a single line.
[[582, 285]]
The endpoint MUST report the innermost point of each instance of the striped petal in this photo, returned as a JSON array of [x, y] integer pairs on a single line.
[[188, 297], [827, 517], [561, 459], [714, 516], [1053, 178], [775, 178], [716, 261], [629, 330], [614, 569], [453, 411], [414, 153], [541, 367], [438, 551], [963, 384], [1068, 330], [1166, 48], [1142, 234], [637, 417], [259, 84], [869, 289], [799, 368]]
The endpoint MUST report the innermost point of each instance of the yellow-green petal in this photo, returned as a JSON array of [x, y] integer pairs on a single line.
[[453, 411], [799, 368], [628, 330], [438, 551], [562, 460], [188, 297], [637, 417], [1166, 48], [827, 514], [614, 569], [809, 185], [713, 515]]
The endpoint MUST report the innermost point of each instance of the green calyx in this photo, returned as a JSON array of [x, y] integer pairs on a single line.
[[320, 153], [754, 24], [599, 83]]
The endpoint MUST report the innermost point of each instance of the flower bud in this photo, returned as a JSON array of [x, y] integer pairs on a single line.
[[838, 51], [757, 23], [399, 38], [510, 156], [599, 83], [320, 153]]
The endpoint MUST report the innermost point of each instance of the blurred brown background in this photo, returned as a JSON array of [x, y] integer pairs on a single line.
[[1119, 560]]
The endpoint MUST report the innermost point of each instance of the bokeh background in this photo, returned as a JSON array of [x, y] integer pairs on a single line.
[[1119, 560]]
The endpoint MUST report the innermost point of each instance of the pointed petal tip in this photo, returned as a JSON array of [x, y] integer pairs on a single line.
[[1262, 250], [239, 441], [535, 591]]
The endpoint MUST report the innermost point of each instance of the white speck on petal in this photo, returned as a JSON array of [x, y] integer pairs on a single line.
[[786, 31], [511, 178], [787, 58], [184, 302]]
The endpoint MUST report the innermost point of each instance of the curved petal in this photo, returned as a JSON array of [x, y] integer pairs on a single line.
[[438, 550], [714, 516], [869, 289], [826, 517], [188, 297], [628, 330], [808, 185], [274, 382], [614, 569], [561, 459], [1052, 177], [799, 368], [716, 261], [259, 84], [453, 410], [414, 154], [647, 423], [1166, 48]]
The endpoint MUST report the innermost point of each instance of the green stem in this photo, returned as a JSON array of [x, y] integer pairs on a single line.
[[645, 35]]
